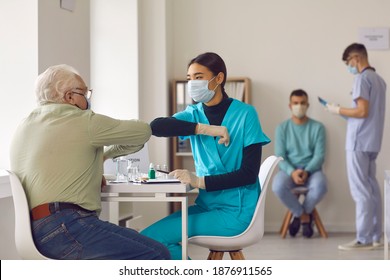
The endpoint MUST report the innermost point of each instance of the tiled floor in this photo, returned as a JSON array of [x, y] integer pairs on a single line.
[[273, 247]]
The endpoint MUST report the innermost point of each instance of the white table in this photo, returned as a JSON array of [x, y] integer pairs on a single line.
[[387, 213], [130, 192]]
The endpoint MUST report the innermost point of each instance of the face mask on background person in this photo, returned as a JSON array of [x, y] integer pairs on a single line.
[[353, 70], [299, 110], [199, 90]]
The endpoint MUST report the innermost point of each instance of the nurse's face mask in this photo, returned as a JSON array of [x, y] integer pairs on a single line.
[[199, 90]]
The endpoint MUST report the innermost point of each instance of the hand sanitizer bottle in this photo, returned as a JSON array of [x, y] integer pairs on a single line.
[[152, 172]]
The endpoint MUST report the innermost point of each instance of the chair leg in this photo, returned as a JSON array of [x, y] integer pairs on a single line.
[[215, 255], [286, 223], [237, 255], [319, 225]]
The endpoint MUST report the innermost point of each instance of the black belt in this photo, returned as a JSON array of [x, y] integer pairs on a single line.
[[44, 210]]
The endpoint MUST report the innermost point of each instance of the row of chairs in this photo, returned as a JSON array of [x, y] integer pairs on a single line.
[[217, 245]]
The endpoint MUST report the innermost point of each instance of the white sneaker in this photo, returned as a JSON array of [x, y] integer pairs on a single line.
[[356, 245], [377, 244]]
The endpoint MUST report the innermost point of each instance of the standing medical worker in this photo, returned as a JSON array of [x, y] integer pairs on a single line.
[[227, 167], [363, 143]]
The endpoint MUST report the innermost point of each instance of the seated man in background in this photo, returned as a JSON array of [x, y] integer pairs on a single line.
[[301, 142]]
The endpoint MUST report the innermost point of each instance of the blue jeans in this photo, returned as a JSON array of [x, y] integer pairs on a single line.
[[76, 234], [283, 184]]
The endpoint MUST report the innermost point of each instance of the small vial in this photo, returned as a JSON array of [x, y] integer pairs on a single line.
[[152, 172], [158, 174], [165, 168]]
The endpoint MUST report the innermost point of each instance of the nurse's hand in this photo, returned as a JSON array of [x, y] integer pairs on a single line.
[[187, 177], [333, 108], [214, 130]]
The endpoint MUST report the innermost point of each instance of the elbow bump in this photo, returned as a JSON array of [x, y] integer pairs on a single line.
[[148, 133], [154, 124], [145, 131]]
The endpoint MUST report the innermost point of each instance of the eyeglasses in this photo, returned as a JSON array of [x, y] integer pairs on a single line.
[[87, 94]]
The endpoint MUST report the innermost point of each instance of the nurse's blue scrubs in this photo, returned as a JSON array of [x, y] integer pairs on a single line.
[[363, 143], [226, 212]]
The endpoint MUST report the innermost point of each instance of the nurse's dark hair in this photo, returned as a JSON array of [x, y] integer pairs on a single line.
[[299, 92], [214, 63], [355, 48]]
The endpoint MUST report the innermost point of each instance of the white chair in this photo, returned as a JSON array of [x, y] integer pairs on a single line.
[[218, 245], [23, 237]]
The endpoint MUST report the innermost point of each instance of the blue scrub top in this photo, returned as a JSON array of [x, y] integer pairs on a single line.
[[212, 158], [365, 134]]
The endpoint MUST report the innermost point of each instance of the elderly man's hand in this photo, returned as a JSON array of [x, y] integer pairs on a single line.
[[103, 184]]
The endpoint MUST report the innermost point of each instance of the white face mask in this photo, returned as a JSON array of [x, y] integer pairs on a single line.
[[199, 90], [299, 110]]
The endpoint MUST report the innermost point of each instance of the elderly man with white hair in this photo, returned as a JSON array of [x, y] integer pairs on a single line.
[[58, 153]]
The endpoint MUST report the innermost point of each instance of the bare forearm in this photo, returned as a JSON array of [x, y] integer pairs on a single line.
[[353, 112]]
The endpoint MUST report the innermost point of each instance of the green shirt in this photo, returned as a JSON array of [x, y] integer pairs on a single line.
[[301, 146], [57, 152]]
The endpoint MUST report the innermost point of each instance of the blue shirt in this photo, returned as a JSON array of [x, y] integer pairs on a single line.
[[300, 146], [365, 134], [212, 158]]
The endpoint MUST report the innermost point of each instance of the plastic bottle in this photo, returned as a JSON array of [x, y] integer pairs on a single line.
[[152, 172], [157, 168], [165, 168]]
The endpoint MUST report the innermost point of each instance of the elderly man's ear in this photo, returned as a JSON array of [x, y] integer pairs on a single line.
[[69, 98]]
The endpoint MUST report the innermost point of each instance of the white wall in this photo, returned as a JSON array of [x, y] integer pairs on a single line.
[[283, 45], [64, 36], [114, 58], [154, 46], [18, 67], [34, 35]]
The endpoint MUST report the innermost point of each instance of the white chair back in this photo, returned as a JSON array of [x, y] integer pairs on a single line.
[[23, 237], [255, 230]]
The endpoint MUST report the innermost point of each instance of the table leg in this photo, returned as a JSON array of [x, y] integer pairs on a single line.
[[386, 217], [162, 197], [184, 224]]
